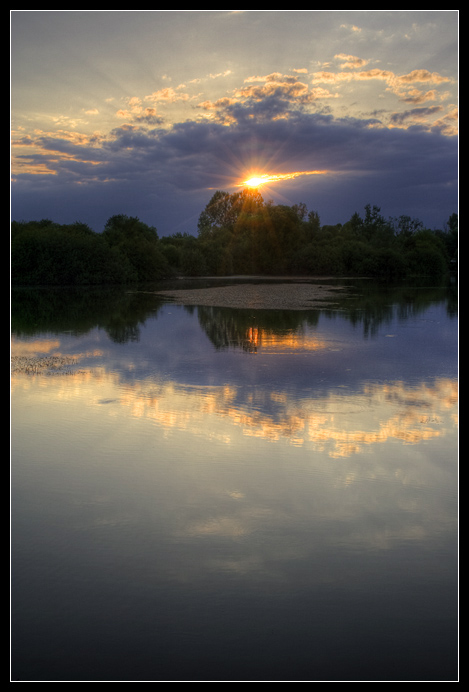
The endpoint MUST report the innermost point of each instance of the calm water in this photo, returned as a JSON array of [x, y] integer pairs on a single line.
[[215, 494]]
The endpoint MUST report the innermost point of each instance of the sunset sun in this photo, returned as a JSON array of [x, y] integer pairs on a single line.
[[256, 181]]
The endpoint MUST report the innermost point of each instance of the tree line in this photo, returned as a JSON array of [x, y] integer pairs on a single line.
[[237, 233], [46, 253]]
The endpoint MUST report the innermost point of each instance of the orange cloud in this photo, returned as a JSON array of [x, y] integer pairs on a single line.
[[168, 94], [416, 76], [351, 61], [215, 105], [422, 76]]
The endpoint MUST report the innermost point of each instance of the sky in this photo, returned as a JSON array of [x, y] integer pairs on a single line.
[[148, 113]]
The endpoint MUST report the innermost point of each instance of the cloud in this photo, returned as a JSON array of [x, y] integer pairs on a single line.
[[422, 76], [270, 96], [167, 94], [351, 61], [165, 175], [220, 74], [447, 124], [404, 87], [417, 96], [285, 89], [414, 77], [376, 130], [351, 27], [216, 105], [416, 115]]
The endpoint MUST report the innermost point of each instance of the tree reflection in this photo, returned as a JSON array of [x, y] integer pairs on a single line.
[[121, 312]]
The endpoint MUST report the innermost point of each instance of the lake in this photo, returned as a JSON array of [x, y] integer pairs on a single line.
[[210, 493]]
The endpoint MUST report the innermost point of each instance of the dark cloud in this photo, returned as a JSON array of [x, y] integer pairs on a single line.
[[167, 176], [415, 114]]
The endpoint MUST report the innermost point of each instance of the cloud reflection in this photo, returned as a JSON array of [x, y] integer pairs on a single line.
[[338, 423]]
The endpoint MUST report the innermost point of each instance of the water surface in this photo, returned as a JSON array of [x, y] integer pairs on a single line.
[[205, 493]]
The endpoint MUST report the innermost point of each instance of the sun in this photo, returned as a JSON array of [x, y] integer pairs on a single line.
[[256, 181]]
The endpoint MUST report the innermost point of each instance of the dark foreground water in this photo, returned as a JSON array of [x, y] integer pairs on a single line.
[[215, 494]]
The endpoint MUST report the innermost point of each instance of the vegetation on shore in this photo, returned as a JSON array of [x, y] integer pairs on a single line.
[[237, 233]]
